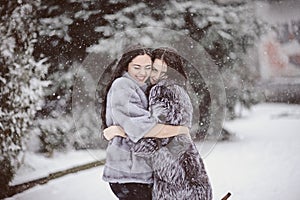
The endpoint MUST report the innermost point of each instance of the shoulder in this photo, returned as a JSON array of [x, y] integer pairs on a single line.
[[171, 91], [123, 82], [169, 85]]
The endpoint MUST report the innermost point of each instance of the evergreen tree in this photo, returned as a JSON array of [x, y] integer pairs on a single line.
[[21, 82], [226, 31], [66, 30], [69, 30]]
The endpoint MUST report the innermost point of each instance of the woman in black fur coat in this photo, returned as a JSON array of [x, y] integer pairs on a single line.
[[179, 172]]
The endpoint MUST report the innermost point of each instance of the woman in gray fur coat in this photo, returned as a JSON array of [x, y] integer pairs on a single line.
[[178, 169]]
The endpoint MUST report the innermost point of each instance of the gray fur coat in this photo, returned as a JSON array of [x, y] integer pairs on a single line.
[[178, 169], [127, 106]]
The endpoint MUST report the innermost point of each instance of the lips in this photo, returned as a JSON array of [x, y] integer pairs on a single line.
[[141, 78]]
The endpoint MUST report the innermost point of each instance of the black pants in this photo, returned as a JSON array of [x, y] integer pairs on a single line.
[[132, 191]]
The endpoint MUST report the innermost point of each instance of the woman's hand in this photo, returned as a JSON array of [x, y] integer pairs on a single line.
[[165, 131], [158, 131], [112, 131]]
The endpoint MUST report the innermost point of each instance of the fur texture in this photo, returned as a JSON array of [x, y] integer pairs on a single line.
[[179, 171]]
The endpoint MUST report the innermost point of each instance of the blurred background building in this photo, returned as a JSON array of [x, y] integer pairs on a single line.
[[279, 51]]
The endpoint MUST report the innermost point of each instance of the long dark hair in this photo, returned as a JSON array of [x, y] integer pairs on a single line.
[[172, 59], [121, 67]]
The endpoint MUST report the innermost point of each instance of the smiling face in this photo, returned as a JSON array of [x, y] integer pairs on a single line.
[[159, 70], [139, 68]]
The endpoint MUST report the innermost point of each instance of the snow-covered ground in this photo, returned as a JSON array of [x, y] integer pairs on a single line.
[[261, 162], [38, 166]]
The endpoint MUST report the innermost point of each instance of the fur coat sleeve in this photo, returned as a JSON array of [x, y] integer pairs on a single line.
[[179, 171], [170, 104], [127, 106]]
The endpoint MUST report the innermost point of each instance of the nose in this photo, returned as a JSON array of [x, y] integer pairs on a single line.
[[143, 71]]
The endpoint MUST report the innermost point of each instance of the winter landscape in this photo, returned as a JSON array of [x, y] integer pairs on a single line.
[[260, 162], [243, 66]]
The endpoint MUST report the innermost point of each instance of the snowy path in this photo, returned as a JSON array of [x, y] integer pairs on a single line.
[[262, 162], [85, 185]]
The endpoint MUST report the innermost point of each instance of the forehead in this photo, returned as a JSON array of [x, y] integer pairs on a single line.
[[142, 59], [160, 65]]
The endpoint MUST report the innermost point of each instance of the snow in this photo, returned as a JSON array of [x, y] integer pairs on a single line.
[[38, 166], [260, 162], [83, 185]]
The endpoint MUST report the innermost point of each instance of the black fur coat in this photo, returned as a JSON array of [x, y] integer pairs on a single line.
[[178, 169]]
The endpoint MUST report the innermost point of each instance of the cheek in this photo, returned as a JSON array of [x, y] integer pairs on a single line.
[[131, 73], [149, 73], [153, 74]]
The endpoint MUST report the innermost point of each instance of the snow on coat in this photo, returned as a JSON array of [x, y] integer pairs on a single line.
[[179, 172]]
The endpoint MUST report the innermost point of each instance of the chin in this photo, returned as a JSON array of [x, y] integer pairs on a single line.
[[153, 82]]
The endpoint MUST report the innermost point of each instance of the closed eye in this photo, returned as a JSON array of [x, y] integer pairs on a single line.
[[136, 67], [148, 67], [154, 69]]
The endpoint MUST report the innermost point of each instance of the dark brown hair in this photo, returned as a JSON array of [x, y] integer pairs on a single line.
[[171, 58]]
